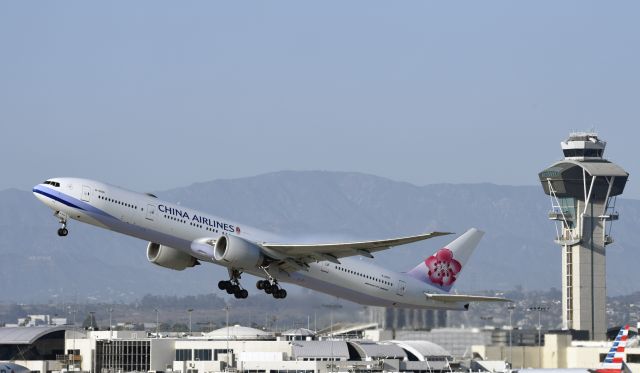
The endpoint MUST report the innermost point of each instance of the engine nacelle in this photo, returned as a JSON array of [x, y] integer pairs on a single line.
[[238, 253], [168, 257]]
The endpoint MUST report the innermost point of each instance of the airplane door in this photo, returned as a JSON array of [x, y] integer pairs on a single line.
[[402, 286], [86, 193], [325, 267], [151, 212]]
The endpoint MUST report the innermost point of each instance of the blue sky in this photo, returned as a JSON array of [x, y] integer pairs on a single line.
[[151, 95]]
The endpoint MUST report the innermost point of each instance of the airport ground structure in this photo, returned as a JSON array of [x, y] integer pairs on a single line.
[[583, 188], [46, 349], [558, 350], [342, 348]]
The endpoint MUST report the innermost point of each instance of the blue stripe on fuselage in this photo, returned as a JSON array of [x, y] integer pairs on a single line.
[[111, 221], [54, 197], [67, 200]]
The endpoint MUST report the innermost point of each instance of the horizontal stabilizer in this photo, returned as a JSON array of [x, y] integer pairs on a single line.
[[464, 298]]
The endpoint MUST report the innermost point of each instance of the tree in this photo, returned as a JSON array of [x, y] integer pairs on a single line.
[[179, 327], [90, 322]]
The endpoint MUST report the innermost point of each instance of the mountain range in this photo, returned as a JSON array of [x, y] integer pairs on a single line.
[[517, 251]]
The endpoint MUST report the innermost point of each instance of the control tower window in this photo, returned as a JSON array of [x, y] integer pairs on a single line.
[[568, 206], [583, 153]]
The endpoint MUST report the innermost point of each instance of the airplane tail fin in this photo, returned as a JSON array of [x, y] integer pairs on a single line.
[[443, 267], [613, 361]]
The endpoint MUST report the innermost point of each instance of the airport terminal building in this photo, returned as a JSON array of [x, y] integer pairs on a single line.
[[236, 348]]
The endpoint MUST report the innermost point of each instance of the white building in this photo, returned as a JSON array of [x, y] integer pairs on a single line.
[[248, 350]]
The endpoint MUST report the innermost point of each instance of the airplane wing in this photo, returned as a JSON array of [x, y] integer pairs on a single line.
[[333, 251], [464, 298]]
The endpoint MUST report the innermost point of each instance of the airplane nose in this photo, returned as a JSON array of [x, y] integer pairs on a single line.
[[38, 192]]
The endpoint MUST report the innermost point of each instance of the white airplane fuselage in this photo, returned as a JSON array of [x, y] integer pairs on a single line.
[[9, 367], [154, 220]]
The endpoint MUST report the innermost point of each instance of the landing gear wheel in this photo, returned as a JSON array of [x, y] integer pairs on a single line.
[[223, 285], [260, 284], [240, 293], [282, 294], [62, 232], [267, 289]]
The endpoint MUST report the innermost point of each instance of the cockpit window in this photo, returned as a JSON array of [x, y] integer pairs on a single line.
[[52, 183]]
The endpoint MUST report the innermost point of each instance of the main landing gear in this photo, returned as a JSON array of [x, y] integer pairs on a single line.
[[271, 287], [233, 286], [62, 218]]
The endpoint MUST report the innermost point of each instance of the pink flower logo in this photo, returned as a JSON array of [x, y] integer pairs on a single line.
[[443, 268]]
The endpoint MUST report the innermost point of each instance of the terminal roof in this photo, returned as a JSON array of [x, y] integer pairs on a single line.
[[320, 349], [26, 335]]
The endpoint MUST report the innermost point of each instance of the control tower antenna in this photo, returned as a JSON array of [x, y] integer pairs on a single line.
[[583, 189]]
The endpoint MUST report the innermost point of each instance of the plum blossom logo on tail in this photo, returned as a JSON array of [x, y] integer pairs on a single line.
[[443, 268]]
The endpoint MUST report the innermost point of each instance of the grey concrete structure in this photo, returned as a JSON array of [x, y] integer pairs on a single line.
[[583, 187], [406, 318]]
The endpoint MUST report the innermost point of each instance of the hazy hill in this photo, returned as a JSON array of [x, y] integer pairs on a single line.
[[36, 264]]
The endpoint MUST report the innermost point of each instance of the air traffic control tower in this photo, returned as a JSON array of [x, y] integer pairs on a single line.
[[583, 189]]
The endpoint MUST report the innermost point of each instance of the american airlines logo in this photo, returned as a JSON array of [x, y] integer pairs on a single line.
[[198, 219]]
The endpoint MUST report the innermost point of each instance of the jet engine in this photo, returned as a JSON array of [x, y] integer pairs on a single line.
[[238, 253], [168, 257]]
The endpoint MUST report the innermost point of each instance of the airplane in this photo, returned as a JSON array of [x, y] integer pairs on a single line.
[[180, 238], [613, 362], [8, 367]]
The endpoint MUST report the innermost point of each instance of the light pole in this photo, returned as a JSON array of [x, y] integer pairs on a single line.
[[73, 351], [510, 307], [226, 308], [190, 310], [331, 307], [157, 319], [539, 309], [110, 327]]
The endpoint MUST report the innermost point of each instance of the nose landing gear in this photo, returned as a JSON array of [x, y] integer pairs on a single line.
[[62, 218]]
